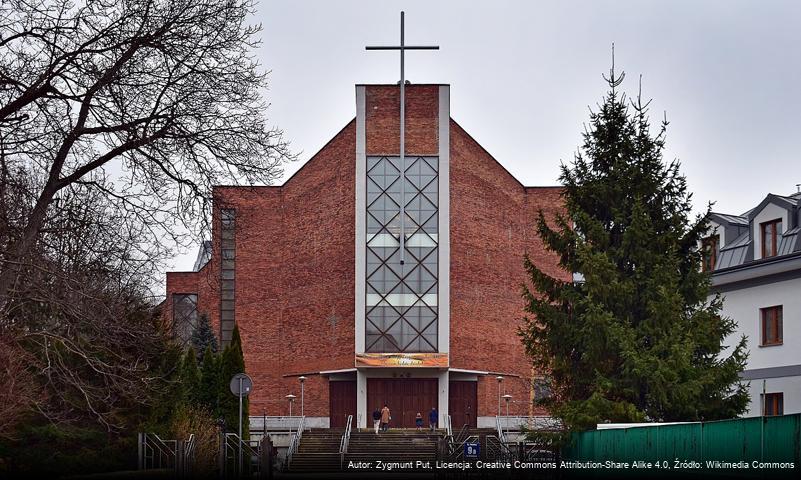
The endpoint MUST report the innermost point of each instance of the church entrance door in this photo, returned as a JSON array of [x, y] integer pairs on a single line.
[[462, 403], [342, 397], [404, 397]]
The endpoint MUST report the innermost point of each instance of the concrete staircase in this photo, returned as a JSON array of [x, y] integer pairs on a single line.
[[318, 452], [401, 446]]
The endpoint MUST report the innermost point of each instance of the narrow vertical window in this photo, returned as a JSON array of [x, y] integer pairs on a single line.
[[773, 404], [770, 235], [227, 273], [184, 316], [710, 247], [771, 325]]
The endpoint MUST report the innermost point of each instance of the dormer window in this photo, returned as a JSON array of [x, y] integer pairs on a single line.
[[770, 237], [710, 252]]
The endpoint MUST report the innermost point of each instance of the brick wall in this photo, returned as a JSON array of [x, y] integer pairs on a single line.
[[382, 114], [493, 220]]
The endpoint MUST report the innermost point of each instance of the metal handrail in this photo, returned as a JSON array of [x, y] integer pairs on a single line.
[[457, 448], [448, 426], [152, 444], [499, 450], [343, 444], [501, 433], [232, 443], [294, 444]]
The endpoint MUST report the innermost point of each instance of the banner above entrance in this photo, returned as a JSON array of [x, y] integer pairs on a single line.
[[427, 360]]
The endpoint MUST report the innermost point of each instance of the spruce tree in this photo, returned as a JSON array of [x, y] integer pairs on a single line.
[[637, 339], [232, 362], [203, 336]]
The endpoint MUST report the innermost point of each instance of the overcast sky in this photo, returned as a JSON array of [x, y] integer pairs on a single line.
[[523, 75]]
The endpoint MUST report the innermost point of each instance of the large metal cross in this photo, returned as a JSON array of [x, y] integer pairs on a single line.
[[403, 47]]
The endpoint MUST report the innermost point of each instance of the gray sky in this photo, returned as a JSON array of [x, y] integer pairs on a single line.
[[523, 74]]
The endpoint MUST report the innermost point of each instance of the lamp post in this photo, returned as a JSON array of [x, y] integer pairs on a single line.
[[291, 399], [507, 397], [302, 380], [499, 378]]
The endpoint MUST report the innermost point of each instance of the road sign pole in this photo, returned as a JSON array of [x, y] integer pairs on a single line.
[[240, 426]]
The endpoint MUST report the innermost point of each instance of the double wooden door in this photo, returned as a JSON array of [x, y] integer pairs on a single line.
[[404, 397]]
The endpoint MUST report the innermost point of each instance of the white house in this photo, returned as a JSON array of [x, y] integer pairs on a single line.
[[756, 263]]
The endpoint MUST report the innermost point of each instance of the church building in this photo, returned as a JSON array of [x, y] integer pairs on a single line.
[[374, 277]]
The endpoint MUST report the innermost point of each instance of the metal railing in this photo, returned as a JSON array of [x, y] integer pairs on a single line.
[[499, 427], [294, 444], [251, 456], [265, 425], [156, 453], [448, 426], [528, 422], [343, 444], [496, 449]]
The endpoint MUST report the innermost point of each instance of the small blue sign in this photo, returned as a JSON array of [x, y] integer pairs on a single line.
[[472, 450]]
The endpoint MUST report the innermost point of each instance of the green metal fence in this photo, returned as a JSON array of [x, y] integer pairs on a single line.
[[753, 441]]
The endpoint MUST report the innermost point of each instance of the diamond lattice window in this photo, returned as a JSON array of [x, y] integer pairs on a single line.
[[401, 299]]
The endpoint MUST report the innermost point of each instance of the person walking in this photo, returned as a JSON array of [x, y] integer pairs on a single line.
[[433, 417], [376, 419], [386, 416], [418, 421]]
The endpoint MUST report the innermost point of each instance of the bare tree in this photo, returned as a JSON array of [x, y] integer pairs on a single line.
[[82, 321], [150, 102]]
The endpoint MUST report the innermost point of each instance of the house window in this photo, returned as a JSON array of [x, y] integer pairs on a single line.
[[770, 237], [771, 320], [710, 251], [773, 404]]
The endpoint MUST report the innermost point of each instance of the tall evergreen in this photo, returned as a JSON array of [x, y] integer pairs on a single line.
[[637, 339], [203, 336], [210, 382], [232, 362], [190, 378]]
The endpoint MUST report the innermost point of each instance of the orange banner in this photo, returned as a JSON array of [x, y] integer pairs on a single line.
[[427, 360]]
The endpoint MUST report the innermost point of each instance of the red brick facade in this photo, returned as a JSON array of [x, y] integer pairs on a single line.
[[493, 218], [295, 257]]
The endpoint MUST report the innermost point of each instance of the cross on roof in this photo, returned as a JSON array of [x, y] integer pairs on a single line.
[[402, 47]]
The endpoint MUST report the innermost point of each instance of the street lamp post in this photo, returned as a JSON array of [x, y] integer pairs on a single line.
[[507, 397], [291, 399], [302, 380], [499, 379]]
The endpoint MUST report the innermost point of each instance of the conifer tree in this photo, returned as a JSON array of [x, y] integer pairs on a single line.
[[190, 378], [210, 382], [637, 339], [232, 362], [203, 336]]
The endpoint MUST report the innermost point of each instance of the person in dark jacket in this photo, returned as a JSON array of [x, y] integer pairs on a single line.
[[376, 419], [433, 417]]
